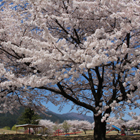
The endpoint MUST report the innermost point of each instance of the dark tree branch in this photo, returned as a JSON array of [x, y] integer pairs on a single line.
[[78, 39], [97, 72], [74, 39], [65, 7], [77, 102], [100, 86], [91, 82]]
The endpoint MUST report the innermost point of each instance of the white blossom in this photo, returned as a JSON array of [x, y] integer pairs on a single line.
[[81, 51]]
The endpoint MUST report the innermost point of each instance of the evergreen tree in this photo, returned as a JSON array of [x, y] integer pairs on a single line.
[[28, 117]]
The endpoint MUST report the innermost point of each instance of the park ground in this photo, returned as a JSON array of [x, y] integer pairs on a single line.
[[113, 135]]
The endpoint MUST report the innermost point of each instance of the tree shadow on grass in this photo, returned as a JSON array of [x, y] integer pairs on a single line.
[[20, 137], [124, 138], [35, 137]]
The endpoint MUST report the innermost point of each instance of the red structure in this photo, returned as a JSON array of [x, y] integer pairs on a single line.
[[110, 130]]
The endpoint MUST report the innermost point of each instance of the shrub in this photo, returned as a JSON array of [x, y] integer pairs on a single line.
[[6, 128], [19, 128], [14, 128]]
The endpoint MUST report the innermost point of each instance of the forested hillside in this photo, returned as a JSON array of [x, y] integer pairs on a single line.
[[12, 119], [9, 119], [67, 116]]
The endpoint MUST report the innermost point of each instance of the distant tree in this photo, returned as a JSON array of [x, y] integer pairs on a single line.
[[74, 125], [28, 117], [56, 126], [14, 128], [85, 125], [6, 128], [135, 123], [48, 124], [66, 126]]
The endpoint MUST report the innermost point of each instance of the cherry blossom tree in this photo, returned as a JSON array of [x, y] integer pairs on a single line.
[[116, 122], [85, 125], [76, 125], [135, 123], [65, 126], [48, 125], [83, 51]]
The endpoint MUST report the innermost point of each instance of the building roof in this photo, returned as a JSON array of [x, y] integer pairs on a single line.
[[29, 125]]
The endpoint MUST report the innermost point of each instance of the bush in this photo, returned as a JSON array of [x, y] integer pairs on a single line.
[[6, 128], [14, 128], [19, 128], [131, 129]]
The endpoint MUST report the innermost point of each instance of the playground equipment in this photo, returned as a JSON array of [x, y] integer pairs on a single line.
[[114, 127], [110, 130]]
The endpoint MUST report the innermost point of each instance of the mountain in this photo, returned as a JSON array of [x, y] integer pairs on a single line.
[[12, 119], [76, 116], [67, 116], [9, 119]]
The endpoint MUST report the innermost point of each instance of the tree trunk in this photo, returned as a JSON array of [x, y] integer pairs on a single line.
[[85, 131], [99, 129]]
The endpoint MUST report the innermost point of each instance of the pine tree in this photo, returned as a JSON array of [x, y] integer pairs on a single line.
[[28, 117]]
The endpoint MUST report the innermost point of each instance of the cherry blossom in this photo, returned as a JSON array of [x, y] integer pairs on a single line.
[[86, 52]]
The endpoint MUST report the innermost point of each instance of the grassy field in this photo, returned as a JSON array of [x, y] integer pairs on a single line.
[[91, 133], [3, 131], [113, 135]]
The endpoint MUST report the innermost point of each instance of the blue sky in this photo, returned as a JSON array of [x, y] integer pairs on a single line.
[[67, 108], [2, 3]]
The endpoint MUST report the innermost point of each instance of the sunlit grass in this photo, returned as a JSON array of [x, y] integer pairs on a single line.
[[112, 135], [90, 132], [3, 131]]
